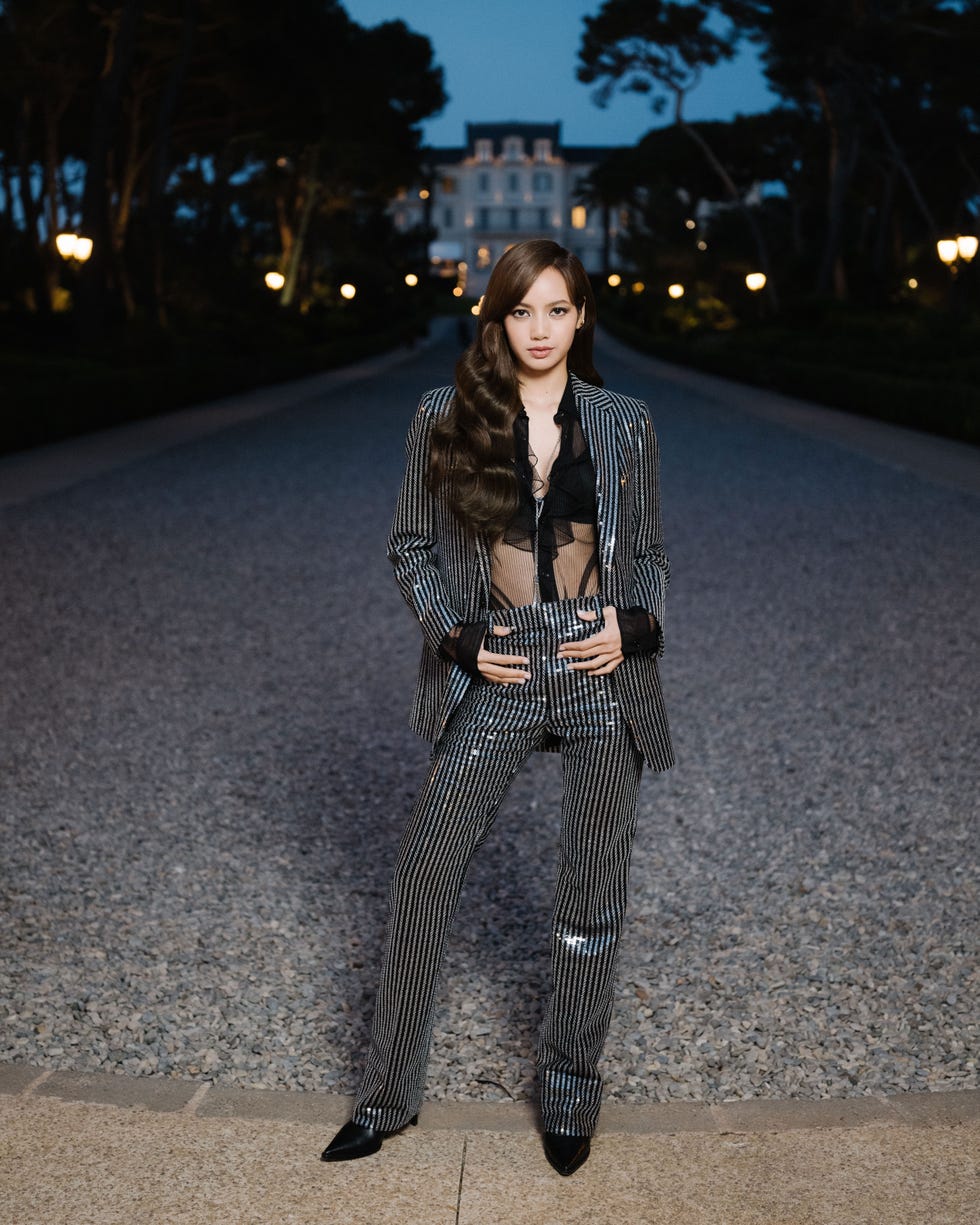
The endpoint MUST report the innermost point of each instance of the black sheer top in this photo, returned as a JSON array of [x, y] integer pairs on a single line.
[[550, 549]]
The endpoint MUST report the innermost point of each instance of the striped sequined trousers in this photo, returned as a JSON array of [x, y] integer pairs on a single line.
[[489, 737]]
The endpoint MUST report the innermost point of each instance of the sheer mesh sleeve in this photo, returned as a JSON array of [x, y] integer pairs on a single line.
[[462, 645], [639, 631]]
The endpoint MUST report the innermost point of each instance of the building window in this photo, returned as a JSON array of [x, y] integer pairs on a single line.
[[513, 148], [542, 150], [542, 218], [483, 182], [579, 217], [542, 181], [483, 218], [514, 213], [447, 218], [483, 257], [448, 185], [484, 150], [513, 181]]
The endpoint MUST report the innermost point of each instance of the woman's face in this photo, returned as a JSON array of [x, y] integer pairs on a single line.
[[541, 327]]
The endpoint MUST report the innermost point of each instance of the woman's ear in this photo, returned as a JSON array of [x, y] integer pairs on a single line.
[[581, 317]]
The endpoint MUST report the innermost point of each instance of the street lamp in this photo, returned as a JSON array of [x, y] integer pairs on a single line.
[[614, 280], [348, 291], [73, 246], [948, 251], [275, 280], [411, 280], [755, 281], [675, 291], [952, 250]]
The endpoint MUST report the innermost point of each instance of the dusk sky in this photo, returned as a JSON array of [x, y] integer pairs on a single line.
[[516, 59]]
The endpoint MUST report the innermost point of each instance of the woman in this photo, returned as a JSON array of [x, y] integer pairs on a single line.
[[527, 542]]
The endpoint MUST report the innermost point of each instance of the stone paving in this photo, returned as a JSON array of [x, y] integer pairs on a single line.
[[109, 1150]]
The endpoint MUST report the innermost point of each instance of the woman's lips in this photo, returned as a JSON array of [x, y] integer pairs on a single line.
[[539, 351]]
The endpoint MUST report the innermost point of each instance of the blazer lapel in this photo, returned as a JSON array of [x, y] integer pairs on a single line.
[[599, 427], [481, 596]]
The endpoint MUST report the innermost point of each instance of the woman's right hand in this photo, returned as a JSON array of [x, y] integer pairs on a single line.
[[502, 669]]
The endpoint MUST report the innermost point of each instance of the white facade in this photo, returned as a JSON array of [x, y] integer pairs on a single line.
[[512, 181]]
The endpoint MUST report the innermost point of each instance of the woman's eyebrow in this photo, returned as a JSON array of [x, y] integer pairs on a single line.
[[557, 302]]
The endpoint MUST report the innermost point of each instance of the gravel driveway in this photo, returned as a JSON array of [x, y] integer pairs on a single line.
[[205, 672]]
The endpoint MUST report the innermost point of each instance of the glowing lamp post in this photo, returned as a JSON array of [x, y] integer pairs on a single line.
[[275, 281], [348, 291], [755, 283], [952, 250], [411, 280], [73, 246], [614, 280], [675, 291], [966, 247], [948, 251]]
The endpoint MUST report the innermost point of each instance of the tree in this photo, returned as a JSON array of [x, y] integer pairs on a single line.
[[213, 123], [120, 45], [661, 48], [894, 84], [43, 48]]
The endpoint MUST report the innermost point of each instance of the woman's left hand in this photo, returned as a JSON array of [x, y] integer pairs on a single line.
[[600, 654]]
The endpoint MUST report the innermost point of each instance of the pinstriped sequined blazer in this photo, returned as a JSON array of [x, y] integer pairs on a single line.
[[444, 573]]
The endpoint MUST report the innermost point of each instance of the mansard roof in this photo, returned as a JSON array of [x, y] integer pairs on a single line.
[[498, 132]]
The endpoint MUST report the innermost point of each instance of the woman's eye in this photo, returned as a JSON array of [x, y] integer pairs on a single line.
[[519, 313], [560, 310]]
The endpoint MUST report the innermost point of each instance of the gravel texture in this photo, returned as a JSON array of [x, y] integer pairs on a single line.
[[205, 764]]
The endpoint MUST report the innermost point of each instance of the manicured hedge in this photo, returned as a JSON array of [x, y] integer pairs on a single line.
[[50, 392], [913, 377]]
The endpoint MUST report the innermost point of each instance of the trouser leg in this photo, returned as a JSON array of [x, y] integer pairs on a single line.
[[601, 780], [471, 770]]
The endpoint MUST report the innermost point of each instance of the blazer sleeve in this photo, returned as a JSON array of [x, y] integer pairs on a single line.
[[412, 543], [651, 573]]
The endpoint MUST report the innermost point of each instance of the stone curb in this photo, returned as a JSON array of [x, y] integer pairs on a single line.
[[206, 1100]]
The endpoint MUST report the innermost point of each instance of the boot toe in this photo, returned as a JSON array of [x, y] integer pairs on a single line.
[[351, 1142], [566, 1153]]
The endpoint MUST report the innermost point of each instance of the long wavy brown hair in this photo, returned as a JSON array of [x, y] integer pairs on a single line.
[[471, 461]]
